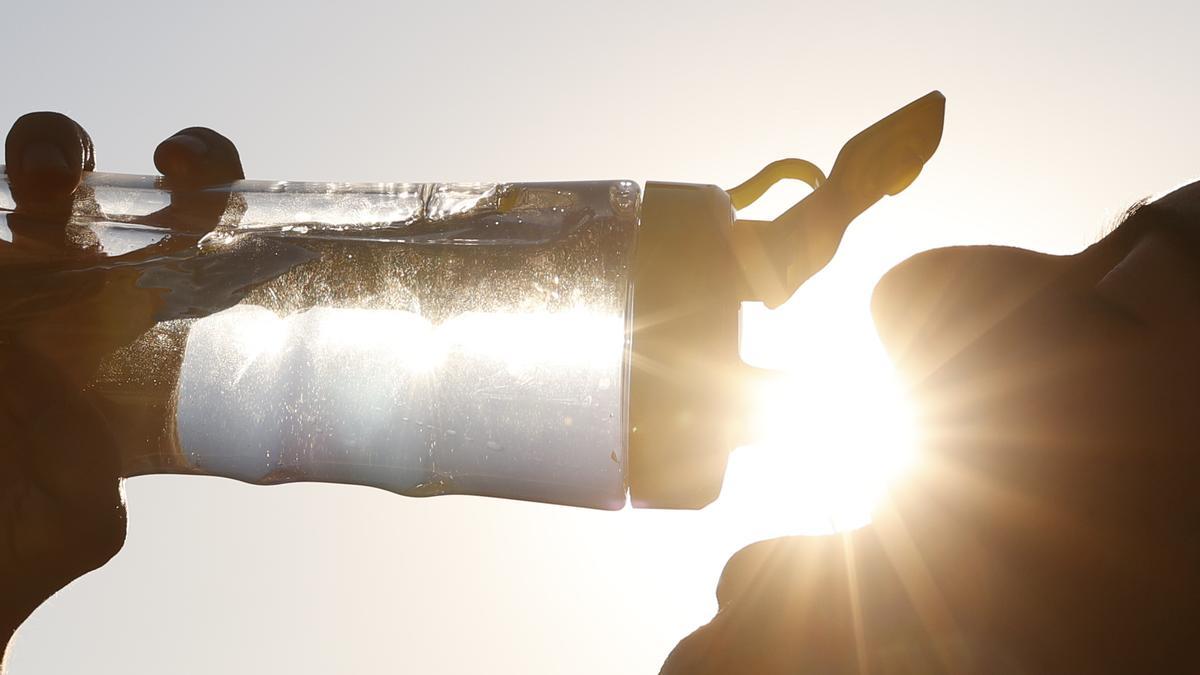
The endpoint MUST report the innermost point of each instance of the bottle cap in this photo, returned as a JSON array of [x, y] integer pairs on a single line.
[[695, 262]]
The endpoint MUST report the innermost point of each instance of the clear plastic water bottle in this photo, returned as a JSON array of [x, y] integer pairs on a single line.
[[571, 342]]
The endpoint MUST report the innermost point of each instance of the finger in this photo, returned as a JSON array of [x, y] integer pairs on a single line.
[[45, 155], [198, 157], [68, 451], [68, 515]]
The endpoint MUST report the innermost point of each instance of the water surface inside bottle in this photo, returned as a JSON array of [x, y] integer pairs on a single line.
[[421, 338]]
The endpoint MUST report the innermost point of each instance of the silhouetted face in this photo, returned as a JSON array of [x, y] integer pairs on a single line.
[[1051, 523], [1058, 504]]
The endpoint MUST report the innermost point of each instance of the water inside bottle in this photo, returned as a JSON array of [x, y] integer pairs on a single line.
[[421, 338]]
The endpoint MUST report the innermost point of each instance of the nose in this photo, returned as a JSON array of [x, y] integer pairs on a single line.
[[932, 306]]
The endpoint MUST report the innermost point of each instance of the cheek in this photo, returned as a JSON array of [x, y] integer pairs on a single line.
[[1058, 473], [1159, 378], [1066, 423], [1056, 416], [1159, 390], [1062, 376]]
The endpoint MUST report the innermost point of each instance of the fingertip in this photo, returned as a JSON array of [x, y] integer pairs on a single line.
[[198, 157], [180, 155], [44, 165], [46, 154]]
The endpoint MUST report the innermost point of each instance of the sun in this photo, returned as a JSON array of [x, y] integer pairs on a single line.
[[835, 428], [832, 431]]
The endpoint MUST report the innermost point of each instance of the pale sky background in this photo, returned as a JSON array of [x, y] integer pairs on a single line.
[[1058, 117]]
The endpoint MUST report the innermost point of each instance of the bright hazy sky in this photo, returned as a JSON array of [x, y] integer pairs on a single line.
[[1057, 119]]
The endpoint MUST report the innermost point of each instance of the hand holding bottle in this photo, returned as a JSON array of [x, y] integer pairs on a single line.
[[61, 510]]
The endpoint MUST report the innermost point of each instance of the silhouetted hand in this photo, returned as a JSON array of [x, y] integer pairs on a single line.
[[61, 511], [1051, 524]]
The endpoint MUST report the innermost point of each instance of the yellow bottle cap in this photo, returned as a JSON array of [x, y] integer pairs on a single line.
[[695, 262]]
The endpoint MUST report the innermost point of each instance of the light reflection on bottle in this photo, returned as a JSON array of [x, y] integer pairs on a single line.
[[518, 402]]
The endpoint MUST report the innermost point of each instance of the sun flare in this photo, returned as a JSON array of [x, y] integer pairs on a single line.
[[835, 428], [831, 432]]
